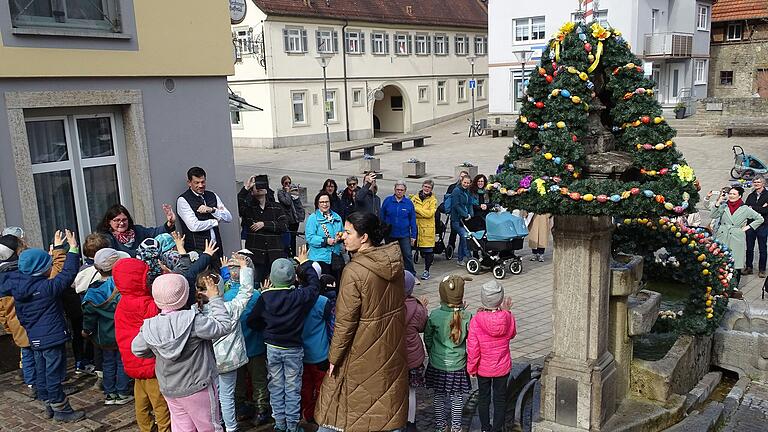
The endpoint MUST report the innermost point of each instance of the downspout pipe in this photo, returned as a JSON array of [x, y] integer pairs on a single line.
[[346, 89]]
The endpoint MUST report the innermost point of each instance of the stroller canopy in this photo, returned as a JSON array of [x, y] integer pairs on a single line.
[[504, 226]]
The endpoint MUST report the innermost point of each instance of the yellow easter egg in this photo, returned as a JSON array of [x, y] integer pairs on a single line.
[[583, 75], [658, 120], [555, 92], [659, 146], [561, 124], [709, 316], [526, 146], [575, 99], [571, 69], [587, 197], [627, 221], [523, 119], [709, 303]]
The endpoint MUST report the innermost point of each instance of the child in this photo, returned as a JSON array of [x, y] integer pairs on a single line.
[[488, 356], [415, 321], [40, 312], [329, 290], [181, 342], [316, 342], [99, 306], [136, 304], [280, 313], [445, 336]]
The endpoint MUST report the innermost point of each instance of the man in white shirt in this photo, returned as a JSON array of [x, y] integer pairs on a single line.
[[200, 211]]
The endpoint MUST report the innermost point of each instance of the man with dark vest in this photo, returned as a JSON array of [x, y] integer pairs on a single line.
[[200, 212]]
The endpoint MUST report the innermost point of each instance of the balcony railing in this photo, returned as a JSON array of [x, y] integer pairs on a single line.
[[668, 45]]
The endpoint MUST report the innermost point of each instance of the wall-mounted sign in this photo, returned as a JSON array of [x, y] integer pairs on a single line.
[[237, 10]]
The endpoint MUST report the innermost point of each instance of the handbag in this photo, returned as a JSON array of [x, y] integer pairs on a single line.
[[337, 260]]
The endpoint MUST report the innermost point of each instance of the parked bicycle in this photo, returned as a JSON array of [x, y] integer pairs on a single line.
[[476, 128]]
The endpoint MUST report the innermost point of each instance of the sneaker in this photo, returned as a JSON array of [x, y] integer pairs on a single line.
[[89, 369], [461, 263], [48, 409], [122, 399], [761, 274], [30, 392], [110, 399], [425, 275], [541, 258], [534, 257]]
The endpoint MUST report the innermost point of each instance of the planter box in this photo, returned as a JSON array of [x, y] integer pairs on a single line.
[[302, 195], [414, 169], [368, 165], [471, 170]]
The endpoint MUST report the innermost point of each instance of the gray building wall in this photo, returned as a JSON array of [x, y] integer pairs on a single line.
[[187, 127]]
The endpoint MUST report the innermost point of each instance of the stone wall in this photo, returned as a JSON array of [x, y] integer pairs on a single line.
[[741, 57], [714, 114]]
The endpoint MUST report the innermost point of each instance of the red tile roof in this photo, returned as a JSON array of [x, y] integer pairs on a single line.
[[449, 13], [732, 10]]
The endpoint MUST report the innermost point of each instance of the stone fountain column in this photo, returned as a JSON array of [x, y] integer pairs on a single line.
[[579, 377]]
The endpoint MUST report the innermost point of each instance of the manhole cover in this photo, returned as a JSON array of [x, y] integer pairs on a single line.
[[443, 177]]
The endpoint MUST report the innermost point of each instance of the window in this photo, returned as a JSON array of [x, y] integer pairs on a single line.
[[481, 45], [441, 45], [327, 41], [480, 90], [734, 32], [330, 106], [355, 42], [654, 21], [403, 44], [538, 29], [529, 29], [442, 96], [299, 99], [423, 94], [423, 45], [702, 20], [76, 170], [295, 40], [380, 43], [461, 45], [726, 77], [101, 15], [396, 103], [700, 72], [357, 97], [234, 118], [461, 90]]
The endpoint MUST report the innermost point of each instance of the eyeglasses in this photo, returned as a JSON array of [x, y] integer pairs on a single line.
[[351, 184], [120, 220]]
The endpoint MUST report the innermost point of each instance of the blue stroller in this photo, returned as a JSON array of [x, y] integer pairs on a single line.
[[496, 245]]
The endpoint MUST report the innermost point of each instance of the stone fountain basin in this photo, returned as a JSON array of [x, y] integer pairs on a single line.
[[741, 342], [643, 312], [626, 275]]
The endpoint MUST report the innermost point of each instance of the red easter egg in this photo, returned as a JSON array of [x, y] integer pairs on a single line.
[[645, 119], [574, 138], [663, 171], [549, 78], [602, 198], [554, 73], [634, 191], [588, 47], [539, 105], [533, 125]]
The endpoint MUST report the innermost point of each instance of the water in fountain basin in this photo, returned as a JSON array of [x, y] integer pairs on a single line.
[[655, 345]]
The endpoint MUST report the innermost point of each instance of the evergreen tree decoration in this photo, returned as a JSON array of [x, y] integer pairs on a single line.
[[591, 138]]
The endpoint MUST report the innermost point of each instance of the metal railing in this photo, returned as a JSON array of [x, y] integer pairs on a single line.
[[668, 45]]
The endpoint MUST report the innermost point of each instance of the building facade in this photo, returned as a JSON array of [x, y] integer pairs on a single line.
[[739, 64], [105, 102], [392, 67], [671, 36]]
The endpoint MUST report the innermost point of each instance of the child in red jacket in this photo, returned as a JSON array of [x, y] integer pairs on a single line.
[[488, 358], [136, 304]]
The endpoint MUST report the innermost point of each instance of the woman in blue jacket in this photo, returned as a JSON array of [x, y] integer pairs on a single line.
[[461, 208], [323, 229], [127, 236]]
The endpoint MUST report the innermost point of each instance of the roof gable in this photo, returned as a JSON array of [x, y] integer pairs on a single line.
[[732, 10]]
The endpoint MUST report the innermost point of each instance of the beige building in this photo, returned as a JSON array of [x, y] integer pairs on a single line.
[[393, 67]]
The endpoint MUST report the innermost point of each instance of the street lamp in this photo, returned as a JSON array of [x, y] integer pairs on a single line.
[[523, 56], [471, 60], [324, 60]]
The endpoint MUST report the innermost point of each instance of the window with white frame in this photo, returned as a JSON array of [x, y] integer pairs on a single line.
[[355, 42], [461, 90], [327, 41], [734, 32], [101, 15], [330, 106], [77, 170], [299, 106], [402, 44], [538, 28], [654, 21], [295, 40], [422, 45], [702, 18], [423, 94], [379, 43], [461, 45], [441, 44], [480, 89], [700, 71], [601, 16], [481, 45], [529, 29], [442, 92], [357, 97]]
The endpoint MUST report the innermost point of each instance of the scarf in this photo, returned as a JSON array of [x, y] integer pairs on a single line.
[[125, 238], [423, 196], [734, 205]]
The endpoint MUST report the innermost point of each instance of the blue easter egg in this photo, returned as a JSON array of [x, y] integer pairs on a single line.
[[582, 36], [648, 193], [684, 205], [557, 160], [615, 198], [590, 85], [554, 188], [565, 93]]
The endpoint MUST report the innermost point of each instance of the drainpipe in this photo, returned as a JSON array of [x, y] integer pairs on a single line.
[[344, 58]]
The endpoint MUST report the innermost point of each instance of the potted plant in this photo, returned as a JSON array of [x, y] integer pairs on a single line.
[[370, 163], [680, 110], [414, 168], [468, 167]]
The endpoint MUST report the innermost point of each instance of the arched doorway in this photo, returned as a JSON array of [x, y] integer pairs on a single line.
[[390, 113]]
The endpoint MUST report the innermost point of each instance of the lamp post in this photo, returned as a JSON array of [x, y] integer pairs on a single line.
[[324, 60], [523, 55], [471, 60]]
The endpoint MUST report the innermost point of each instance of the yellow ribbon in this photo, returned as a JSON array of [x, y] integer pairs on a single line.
[[597, 57], [557, 51]]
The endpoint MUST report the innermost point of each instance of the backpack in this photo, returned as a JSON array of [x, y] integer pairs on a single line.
[[445, 207]]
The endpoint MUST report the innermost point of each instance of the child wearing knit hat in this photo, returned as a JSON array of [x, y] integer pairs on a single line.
[[445, 337], [488, 356], [415, 321], [181, 341]]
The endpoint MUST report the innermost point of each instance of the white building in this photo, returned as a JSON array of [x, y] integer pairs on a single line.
[[671, 36], [394, 66]]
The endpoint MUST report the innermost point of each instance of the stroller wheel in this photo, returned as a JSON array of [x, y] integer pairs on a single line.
[[735, 174], [499, 272], [416, 256], [473, 266], [515, 267], [448, 252]]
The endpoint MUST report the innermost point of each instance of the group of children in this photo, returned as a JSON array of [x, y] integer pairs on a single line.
[[200, 345]]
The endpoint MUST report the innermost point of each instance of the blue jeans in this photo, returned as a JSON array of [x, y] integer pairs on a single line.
[[461, 233], [50, 372], [285, 368], [115, 379], [227, 382], [405, 249], [761, 235], [28, 365]]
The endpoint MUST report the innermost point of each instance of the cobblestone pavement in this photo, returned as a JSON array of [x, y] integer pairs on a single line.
[[752, 414]]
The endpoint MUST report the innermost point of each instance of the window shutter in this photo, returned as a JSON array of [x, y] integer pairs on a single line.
[[335, 41], [429, 44], [318, 41], [373, 44], [456, 44], [286, 42], [386, 43], [304, 44], [410, 44], [362, 43], [346, 42]]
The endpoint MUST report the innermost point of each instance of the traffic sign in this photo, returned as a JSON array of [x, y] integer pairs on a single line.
[[472, 84]]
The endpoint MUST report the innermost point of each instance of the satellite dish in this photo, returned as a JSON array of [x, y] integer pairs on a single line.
[[378, 95]]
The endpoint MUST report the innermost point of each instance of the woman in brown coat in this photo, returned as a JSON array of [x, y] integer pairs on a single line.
[[538, 235], [367, 384]]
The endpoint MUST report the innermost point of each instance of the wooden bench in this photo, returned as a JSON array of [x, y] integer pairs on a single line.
[[755, 126], [397, 143], [345, 153], [499, 130]]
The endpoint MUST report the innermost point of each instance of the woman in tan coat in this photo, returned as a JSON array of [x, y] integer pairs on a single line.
[[367, 384], [538, 235]]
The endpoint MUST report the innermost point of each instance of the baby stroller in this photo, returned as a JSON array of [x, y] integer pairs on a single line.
[[440, 246], [746, 166], [496, 245]]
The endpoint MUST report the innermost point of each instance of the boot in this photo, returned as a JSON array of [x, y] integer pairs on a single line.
[[47, 408], [63, 412]]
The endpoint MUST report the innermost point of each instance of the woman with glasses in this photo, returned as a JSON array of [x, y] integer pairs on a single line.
[[332, 189], [323, 230], [425, 205], [127, 236]]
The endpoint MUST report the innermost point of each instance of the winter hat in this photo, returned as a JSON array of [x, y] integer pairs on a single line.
[[327, 283], [149, 252], [170, 259], [8, 245], [283, 274], [261, 182], [165, 242], [106, 258], [452, 289], [14, 231], [170, 292], [35, 262], [492, 294], [410, 281]]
